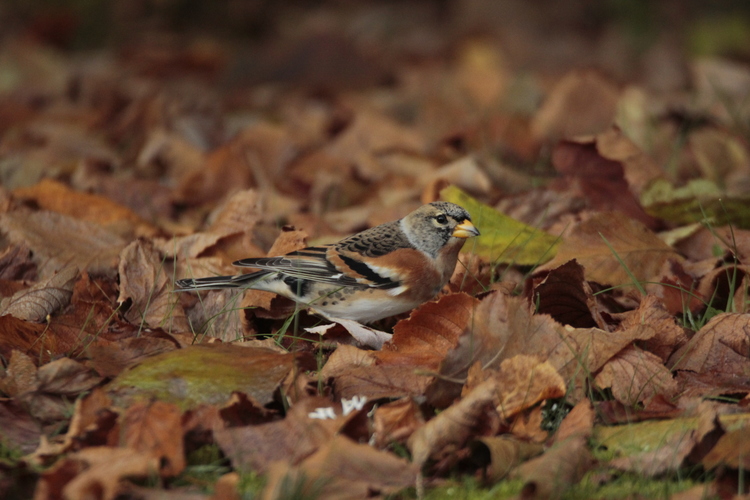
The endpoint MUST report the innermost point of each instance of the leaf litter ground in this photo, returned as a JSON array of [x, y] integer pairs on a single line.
[[595, 336]]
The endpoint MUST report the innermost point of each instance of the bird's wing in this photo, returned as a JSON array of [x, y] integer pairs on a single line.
[[309, 263], [323, 264]]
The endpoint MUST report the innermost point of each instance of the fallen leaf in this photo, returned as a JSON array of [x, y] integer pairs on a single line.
[[60, 241], [697, 200], [155, 429], [55, 196], [502, 239], [110, 358], [564, 295], [502, 327], [394, 422], [523, 381], [579, 422], [147, 289], [309, 425], [607, 244], [668, 335], [635, 375], [732, 450], [710, 349], [455, 425], [431, 331], [655, 447], [550, 475], [94, 473], [582, 102], [18, 430], [342, 469], [16, 263], [500, 454], [66, 377], [203, 374], [369, 135]]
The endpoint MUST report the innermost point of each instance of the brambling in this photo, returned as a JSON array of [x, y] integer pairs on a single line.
[[382, 271]]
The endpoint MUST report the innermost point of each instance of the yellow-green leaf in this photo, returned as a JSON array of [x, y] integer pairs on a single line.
[[503, 239], [699, 199], [203, 374]]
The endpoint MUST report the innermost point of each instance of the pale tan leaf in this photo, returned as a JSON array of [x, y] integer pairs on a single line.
[[146, 286], [636, 376], [609, 242], [60, 241], [455, 425], [523, 381], [42, 299], [710, 349], [155, 428]]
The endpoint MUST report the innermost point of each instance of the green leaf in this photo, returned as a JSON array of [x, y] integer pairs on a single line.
[[203, 374], [697, 200], [503, 239]]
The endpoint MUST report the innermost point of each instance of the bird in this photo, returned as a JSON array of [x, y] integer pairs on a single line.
[[374, 274]]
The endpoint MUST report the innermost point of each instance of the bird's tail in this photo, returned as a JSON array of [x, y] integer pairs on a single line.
[[219, 282]]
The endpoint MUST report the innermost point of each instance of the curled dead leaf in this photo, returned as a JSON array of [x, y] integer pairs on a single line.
[[44, 298]]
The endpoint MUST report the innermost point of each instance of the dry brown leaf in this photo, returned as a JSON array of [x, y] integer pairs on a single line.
[[636, 376], [94, 473], [527, 426], [42, 299], [578, 423], [146, 287], [550, 475], [155, 429], [66, 377], [601, 180], [369, 135], [732, 450], [20, 375], [344, 358], [394, 422], [502, 453], [582, 102], [668, 335], [57, 197], [16, 263], [343, 470], [60, 241], [640, 169], [217, 314], [504, 326], [430, 333], [523, 381], [711, 348], [18, 430], [455, 425], [382, 381], [465, 173], [109, 358], [303, 431], [28, 337], [632, 245], [94, 422], [564, 295]]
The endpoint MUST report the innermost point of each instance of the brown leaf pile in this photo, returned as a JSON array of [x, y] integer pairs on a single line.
[[167, 157]]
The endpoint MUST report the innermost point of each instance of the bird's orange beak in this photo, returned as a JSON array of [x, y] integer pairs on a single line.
[[465, 230]]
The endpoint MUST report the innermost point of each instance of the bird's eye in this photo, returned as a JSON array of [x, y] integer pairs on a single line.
[[441, 219]]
